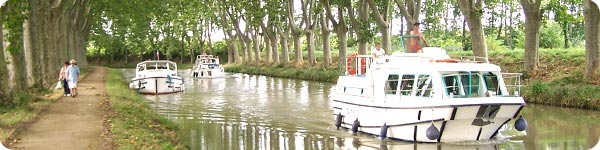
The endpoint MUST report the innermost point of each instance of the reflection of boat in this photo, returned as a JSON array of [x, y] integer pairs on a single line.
[[402, 95], [597, 147], [157, 77], [357, 143], [207, 66]]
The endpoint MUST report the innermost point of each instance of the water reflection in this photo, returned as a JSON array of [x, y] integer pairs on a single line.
[[256, 112]]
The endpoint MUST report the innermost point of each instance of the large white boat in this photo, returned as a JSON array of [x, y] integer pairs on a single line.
[[426, 97], [157, 77], [207, 66]]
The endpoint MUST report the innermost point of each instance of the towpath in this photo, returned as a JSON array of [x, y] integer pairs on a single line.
[[70, 123]]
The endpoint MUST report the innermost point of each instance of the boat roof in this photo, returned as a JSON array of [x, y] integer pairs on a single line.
[[158, 61]]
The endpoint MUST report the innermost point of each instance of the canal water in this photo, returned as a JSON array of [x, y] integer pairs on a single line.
[[242, 111]]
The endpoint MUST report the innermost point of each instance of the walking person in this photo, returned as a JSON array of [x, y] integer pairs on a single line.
[[73, 77], [62, 77]]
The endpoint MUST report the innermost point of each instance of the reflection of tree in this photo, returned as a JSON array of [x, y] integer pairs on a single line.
[[532, 137], [593, 136]]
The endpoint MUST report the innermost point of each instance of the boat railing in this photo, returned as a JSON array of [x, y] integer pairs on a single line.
[[355, 65], [513, 83], [473, 59]]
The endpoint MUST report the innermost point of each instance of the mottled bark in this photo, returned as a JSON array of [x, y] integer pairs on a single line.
[[3, 70], [309, 15], [285, 52], [267, 49], [533, 18], [296, 33], [592, 38], [325, 37], [256, 45], [472, 10]]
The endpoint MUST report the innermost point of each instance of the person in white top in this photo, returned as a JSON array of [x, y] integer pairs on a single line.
[[377, 51]]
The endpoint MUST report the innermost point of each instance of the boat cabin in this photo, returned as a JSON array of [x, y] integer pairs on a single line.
[[428, 75], [156, 66]]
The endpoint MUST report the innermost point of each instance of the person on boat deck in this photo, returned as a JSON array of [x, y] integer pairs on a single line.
[[414, 45], [377, 51], [62, 77], [73, 77]]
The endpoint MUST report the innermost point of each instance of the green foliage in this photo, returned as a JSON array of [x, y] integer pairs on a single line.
[[134, 124], [550, 37], [493, 44], [14, 24]]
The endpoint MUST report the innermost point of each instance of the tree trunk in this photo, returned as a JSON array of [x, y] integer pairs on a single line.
[[285, 52], [357, 24], [310, 37], [325, 31], [411, 10], [34, 76], [533, 18], [256, 47], [3, 70], [592, 38], [471, 9], [339, 27], [275, 49], [297, 51], [268, 48]]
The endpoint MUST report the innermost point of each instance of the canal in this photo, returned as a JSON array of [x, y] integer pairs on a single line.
[[242, 111]]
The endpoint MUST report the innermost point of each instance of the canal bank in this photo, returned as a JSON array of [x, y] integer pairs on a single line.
[[105, 115], [558, 81], [131, 121]]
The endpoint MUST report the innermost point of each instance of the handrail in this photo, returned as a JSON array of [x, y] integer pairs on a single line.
[[516, 82]]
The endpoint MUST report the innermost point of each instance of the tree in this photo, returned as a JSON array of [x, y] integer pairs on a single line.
[[296, 32], [410, 9], [309, 16], [325, 33], [592, 38], [361, 25], [533, 18], [382, 19], [472, 10], [339, 25], [3, 70]]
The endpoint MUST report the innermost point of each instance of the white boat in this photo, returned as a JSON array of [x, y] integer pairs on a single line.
[[400, 96], [157, 77], [207, 66]]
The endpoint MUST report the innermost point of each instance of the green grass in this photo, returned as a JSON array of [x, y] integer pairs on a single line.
[[134, 124], [305, 73]]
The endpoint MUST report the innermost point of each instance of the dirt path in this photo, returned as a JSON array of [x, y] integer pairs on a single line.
[[70, 123]]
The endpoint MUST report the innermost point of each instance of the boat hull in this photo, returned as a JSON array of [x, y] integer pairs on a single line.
[[208, 73], [157, 85], [469, 122]]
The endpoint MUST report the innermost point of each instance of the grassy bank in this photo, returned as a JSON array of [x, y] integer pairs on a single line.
[[558, 81], [26, 107], [287, 71], [133, 123]]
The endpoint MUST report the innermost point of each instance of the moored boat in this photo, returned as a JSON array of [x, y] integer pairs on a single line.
[[207, 66], [157, 77], [426, 97]]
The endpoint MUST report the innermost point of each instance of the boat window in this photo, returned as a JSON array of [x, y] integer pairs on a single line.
[[470, 82], [452, 85], [391, 85], [424, 86], [491, 82], [407, 85]]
